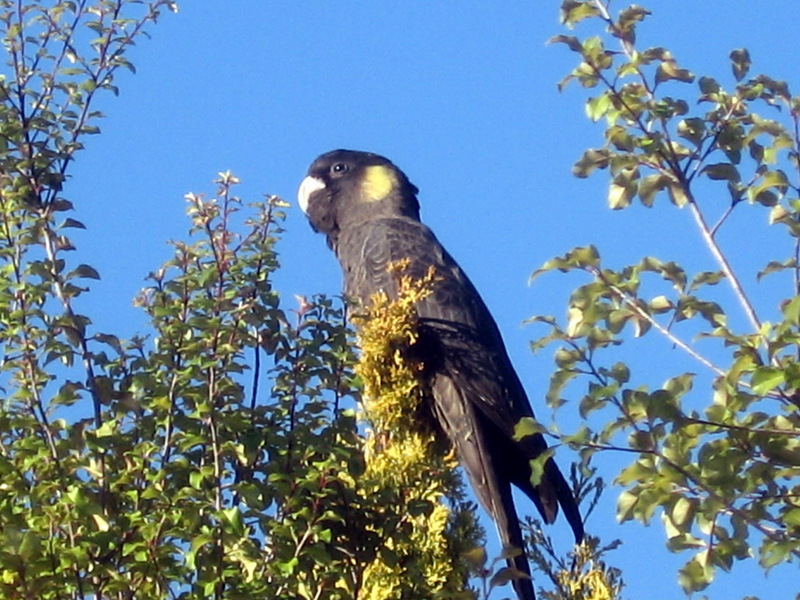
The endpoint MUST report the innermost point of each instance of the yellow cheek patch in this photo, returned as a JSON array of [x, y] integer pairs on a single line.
[[378, 182]]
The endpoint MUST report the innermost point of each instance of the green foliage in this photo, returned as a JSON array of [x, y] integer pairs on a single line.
[[188, 480], [219, 457], [721, 464], [583, 574], [248, 491]]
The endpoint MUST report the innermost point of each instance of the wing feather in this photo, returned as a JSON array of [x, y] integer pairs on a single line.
[[476, 392]]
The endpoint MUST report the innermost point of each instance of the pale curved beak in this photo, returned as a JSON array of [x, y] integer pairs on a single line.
[[308, 187]]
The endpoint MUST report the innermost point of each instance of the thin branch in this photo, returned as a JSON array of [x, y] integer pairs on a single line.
[[722, 219], [215, 441], [633, 305], [725, 266]]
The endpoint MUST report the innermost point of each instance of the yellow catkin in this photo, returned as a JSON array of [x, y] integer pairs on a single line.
[[403, 454], [589, 579]]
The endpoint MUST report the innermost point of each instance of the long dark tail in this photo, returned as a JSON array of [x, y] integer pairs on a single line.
[[480, 450], [505, 517], [566, 499]]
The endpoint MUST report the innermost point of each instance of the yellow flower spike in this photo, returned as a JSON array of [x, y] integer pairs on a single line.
[[402, 457], [588, 579]]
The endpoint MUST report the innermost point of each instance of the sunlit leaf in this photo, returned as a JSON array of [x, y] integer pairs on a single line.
[[574, 11], [765, 379], [592, 159], [692, 129], [669, 70]]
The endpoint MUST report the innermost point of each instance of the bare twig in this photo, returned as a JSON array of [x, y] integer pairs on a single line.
[[632, 304], [725, 266]]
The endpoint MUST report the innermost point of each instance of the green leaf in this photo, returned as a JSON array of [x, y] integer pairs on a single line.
[[650, 185], [669, 70], [722, 171], [234, 517], [762, 193], [709, 86], [619, 196], [30, 546], [696, 574], [196, 479], [537, 466], [558, 382], [620, 138], [592, 159], [577, 258], [792, 518], [740, 63], [504, 575], [677, 194], [775, 266], [692, 129], [791, 311], [765, 379], [682, 511], [623, 188], [73, 224], [476, 557], [596, 108], [766, 198], [778, 214], [626, 503], [756, 151], [626, 24], [110, 340], [706, 278], [527, 426], [660, 304], [572, 42], [100, 523], [574, 11], [85, 272]]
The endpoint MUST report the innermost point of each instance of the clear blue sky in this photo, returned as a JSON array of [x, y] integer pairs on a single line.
[[463, 98]]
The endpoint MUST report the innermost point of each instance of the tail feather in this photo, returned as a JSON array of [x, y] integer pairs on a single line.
[[566, 499], [505, 517], [493, 462], [474, 440], [551, 492]]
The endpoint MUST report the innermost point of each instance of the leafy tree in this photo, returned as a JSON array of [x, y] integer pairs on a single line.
[[720, 461], [220, 457], [226, 455]]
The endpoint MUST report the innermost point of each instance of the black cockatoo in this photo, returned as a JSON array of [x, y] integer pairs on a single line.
[[368, 210]]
